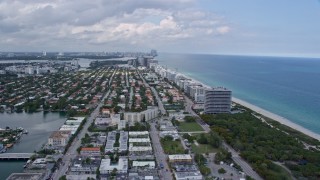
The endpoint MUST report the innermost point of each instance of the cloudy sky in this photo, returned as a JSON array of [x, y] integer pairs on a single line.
[[255, 27]]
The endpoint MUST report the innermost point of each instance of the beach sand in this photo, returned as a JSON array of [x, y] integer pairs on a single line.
[[266, 113], [276, 117]]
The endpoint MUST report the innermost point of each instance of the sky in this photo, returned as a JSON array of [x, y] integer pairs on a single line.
[[245, 27]]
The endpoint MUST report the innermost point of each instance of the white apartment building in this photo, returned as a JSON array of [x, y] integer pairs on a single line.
[[106, 167], [133, 117]]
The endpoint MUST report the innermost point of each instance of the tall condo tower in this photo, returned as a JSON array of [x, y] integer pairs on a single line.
[[217, 100]]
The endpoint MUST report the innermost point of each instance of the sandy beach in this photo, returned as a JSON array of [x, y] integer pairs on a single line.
[[276, 117], [266, 113]]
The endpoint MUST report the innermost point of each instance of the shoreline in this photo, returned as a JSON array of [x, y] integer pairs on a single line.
[[277, 118], [266, 113]]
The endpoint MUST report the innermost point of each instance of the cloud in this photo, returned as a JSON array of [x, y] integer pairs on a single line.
[[223, 29], [81, 25]]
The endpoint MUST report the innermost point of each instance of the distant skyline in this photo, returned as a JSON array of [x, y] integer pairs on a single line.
[[246, 27]]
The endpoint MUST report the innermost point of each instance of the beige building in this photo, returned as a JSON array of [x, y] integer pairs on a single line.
[[59, 138], [175, 158]]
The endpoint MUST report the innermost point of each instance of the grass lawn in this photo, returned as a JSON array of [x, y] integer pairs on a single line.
[[203, 148], [172, 147], [189, 127]]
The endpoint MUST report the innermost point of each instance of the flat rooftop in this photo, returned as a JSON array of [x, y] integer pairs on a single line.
[[24, 176]]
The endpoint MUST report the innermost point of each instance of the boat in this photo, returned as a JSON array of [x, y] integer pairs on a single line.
[[3, 149], [9, 145], [26, 164], [25, 132]]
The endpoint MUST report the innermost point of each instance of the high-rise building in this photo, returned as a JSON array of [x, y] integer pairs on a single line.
[[217, 100], [153, 53]]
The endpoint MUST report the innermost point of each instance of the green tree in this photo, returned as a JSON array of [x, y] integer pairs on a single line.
[[64, 177], [221, 171]]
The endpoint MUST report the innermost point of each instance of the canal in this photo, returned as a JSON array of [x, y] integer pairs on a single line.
[[39, 125]]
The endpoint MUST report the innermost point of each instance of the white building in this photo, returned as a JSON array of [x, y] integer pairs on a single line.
[[151, 113], [174, 134], [122, 124], [144, 164], [74, 120], [188, 175], [72, 128], [133, 117], [102, 121], [111, 139], [139, 141], [106, 167]]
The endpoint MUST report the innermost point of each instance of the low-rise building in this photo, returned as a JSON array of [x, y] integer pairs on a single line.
[[111, 139], [123, 141], [144, 164], [72, 128], [102, 121], [90, 151], [59, 138], [174, 134], [188, 175], [74, 120], [106, 167], [122, 124], [32, 176], [85, 165], [180, 158]]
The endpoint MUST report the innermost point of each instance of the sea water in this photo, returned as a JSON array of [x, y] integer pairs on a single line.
[[289, 87]]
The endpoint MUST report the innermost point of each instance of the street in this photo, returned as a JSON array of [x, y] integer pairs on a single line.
[[235, 155], [72, 151], [159, 153]]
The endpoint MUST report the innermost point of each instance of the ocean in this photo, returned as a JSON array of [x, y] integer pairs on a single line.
[[289, 87]]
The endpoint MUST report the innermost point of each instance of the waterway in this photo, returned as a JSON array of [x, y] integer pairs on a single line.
[[39, 125]]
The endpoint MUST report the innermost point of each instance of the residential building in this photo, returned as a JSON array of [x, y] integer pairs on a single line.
[[122, 124], [33, 176], [90, 151], [59, 138], [151, 113], [188, 175], [85, 165], [106, 167], [144, 164], [74, 120], [133, 117], [102, 121], [180, 158], [174, 134], [123, 141], [111, 139], [217, 100], [72, 128]]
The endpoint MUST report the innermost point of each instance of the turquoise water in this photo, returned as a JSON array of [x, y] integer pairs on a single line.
[[289, 87]]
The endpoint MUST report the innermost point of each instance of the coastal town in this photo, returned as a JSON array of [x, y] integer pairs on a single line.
[[130, 119]]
